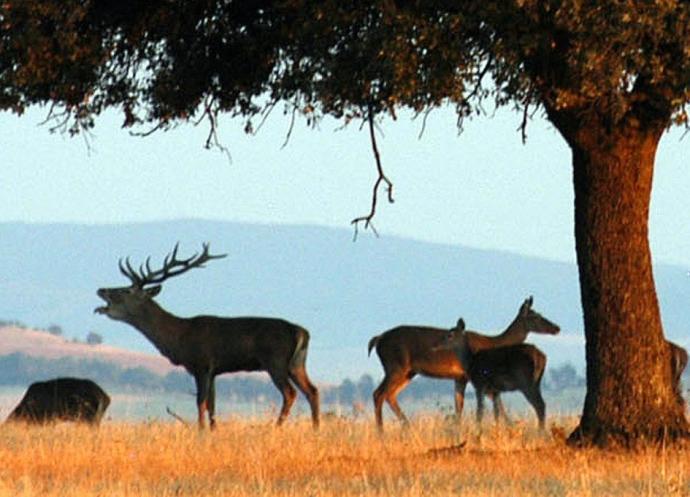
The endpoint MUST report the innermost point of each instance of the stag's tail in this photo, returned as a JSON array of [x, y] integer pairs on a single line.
[[373, 342], [299, 356]]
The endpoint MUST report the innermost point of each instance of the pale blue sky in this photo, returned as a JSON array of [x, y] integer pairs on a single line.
[[483, 188]]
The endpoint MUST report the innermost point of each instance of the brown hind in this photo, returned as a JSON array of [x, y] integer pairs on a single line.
[[502, 369], [406, 351]]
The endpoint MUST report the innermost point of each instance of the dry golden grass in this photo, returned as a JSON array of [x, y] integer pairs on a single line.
[[344, 458]]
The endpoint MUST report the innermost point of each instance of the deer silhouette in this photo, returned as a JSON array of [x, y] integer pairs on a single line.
[[207, 346]]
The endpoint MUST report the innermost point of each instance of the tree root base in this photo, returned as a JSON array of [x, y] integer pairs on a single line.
[[604, 437]]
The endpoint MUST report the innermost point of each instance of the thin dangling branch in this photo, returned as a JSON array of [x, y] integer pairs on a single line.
[[382, 178]]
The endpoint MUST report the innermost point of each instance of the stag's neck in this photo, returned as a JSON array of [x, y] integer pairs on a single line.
[[163, 329], [515, 333]]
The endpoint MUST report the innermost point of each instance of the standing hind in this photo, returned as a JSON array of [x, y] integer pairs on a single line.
[[406, 351]]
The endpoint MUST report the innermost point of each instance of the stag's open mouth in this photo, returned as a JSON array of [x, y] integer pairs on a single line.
[[103, 309]]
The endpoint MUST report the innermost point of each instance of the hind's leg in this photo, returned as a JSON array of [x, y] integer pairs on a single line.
[[480, 405], [534, 397], [499, 409], [460, 386], [392, 398], [388, 391], [379, 397]]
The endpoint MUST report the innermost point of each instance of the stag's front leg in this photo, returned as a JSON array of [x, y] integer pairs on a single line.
[[212, 403], [203, 384]]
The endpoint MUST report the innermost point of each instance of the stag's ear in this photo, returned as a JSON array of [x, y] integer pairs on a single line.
[[153, 291]]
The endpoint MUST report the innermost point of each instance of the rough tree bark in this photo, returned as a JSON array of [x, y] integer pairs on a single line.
[[630, 397]]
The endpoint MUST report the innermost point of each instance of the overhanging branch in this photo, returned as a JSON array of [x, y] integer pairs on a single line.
[[381, 179]]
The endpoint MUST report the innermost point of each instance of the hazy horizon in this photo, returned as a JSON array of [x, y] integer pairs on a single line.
[[481, 189]]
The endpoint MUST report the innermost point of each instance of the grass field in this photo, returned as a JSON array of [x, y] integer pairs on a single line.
[[346, 457]]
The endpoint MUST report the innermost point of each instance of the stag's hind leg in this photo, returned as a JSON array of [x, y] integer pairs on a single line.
[[287, 391], [299, 376]]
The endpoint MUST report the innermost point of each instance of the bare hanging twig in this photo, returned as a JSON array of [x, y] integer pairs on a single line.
[[525, 117], [426, 116], [67, 120], [265, 112], [478, 89], [212, 138], [382, 178], [149, 132], [292, 126]]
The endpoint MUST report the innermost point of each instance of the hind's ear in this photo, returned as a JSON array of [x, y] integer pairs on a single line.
[[460, 326], [526, 305]]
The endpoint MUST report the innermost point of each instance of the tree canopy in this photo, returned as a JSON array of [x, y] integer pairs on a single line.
[[166, 61]]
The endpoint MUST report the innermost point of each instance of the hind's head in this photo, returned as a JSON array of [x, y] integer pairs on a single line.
[[534, 321]]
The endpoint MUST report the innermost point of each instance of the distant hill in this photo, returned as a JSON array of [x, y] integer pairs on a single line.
[[343, 292], [35, 343]]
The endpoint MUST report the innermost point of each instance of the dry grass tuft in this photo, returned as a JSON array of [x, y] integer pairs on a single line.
[[250, 457]]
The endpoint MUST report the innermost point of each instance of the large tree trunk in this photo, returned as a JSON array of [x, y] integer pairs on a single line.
[[630, 396]]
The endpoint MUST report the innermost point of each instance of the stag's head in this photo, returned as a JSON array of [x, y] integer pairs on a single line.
[[534, 321], [124, 303]]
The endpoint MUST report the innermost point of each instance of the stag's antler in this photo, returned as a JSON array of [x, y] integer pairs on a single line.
[[172, 266]]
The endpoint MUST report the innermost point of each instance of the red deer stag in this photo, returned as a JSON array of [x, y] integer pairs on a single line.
[[62, 399], [502, 369], [406, 351], [208, 345]]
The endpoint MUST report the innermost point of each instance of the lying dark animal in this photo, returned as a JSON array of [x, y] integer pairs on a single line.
[[62, 399]]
